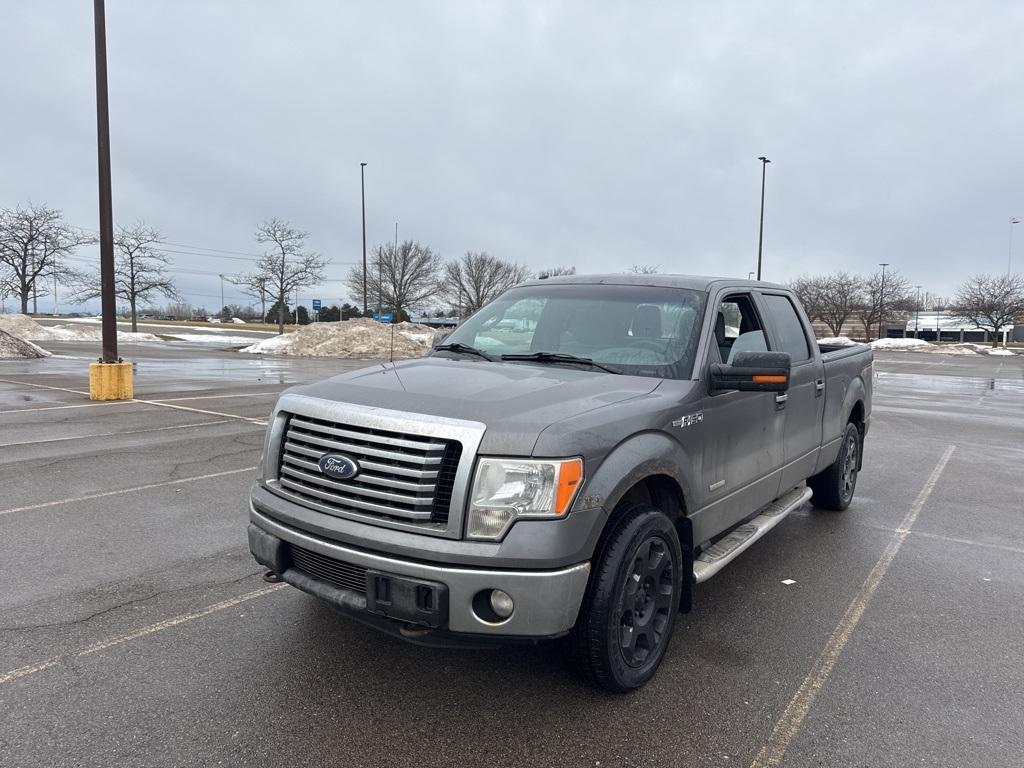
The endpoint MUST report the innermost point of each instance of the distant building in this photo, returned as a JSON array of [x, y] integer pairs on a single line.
[[945, 326]]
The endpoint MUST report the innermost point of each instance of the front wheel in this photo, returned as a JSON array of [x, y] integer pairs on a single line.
[[833, 488], [629, 611]]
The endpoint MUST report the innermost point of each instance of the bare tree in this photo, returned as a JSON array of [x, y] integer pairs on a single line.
[[478, 278], [179, 310], [140, 270], [883, 300], [556, 271], [34, 243], [644, 269], [286, 265], [400, 279], [254, 285], [841, 295], [6, 289], [991, 302], [809, 289]]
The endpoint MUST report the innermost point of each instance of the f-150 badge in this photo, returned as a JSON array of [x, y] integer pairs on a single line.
[[689, 420]]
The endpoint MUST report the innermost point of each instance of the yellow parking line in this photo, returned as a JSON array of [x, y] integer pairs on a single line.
[[787, 726]]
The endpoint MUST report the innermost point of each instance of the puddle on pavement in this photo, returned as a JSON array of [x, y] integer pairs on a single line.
[[194, 372]]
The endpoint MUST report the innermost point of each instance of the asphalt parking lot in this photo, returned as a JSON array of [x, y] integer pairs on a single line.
[[135, 628]]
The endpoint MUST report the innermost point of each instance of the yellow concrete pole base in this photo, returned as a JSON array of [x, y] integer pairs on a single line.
[[110, 381]]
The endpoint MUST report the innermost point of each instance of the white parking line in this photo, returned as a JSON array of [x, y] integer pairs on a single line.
[[260, 422], [772, 753], [116, 434], [30, 669], [133, 489], [211, 397], [43, 386], [61, 407]]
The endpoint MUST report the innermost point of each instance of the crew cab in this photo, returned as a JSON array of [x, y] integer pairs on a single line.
[[570, 463]]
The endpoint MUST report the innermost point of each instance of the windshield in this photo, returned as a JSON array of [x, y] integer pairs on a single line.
[[638, 330]]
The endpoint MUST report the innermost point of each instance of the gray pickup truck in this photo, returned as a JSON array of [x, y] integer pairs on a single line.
[[568, 463]]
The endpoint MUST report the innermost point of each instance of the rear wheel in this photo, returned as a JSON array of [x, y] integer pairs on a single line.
[[833, 489], [629, 611]]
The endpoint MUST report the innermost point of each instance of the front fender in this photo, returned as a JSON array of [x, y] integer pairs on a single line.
[[635, 458]]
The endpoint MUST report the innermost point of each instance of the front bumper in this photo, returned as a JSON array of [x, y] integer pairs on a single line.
[[546, 602]]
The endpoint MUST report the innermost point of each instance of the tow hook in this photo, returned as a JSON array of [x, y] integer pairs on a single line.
[[272, 578]]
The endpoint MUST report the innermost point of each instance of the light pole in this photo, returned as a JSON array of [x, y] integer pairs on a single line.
[[917, 311], [362, 187], [108, 300], [750, 275], [881, 298], [760, 231], [222, 293], [1009, 256]]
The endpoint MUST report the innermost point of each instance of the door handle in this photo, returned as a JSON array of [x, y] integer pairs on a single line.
[[780, 400], [819, 387]]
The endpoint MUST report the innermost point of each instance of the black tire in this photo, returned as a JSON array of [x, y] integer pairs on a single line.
[[629, 610], [833, 489]]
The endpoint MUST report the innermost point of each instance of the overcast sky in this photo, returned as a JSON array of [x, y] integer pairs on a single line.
[[546, 133]]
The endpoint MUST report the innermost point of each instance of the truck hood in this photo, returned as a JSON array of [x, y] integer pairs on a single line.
[[516, 401]]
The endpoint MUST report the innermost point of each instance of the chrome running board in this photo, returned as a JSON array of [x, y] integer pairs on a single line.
[[725, 550]]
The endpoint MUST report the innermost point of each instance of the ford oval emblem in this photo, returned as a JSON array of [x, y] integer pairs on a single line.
[[338, 465]]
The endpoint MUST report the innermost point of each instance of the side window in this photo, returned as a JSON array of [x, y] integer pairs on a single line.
[[788, 328], [738, 328]]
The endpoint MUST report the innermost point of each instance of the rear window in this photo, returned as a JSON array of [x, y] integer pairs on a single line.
[[788, 328]]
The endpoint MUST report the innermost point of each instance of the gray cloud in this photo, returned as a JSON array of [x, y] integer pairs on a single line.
[[547, 133]]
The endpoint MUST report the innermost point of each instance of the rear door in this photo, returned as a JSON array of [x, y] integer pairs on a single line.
[[804, 402]]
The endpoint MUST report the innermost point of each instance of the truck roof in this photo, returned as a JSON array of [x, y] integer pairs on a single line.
[[693, 282]]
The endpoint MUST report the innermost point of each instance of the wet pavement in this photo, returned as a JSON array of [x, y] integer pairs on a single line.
[[135, 629]]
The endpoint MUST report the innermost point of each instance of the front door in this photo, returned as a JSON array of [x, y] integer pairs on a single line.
[[743, 450]]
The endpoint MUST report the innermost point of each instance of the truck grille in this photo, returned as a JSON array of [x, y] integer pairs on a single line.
[[340, 574], [401, 477]]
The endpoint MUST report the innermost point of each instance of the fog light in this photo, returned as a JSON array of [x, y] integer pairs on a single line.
[[501, 603]]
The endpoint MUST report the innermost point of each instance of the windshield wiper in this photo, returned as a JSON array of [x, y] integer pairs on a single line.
[[457, 346], [560, 357]]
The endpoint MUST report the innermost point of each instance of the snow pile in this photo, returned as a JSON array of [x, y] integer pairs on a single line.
[[25, 328], [357, 338], [901, 344], [11, 347], [73, 333], [838, 341], [21, 327], [955, 349], [1000, 351]]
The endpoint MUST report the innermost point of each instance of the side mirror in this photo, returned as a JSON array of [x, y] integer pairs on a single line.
[[752, 372], [439, 339]]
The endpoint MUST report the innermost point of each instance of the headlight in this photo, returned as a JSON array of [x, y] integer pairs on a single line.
[[506, 490]]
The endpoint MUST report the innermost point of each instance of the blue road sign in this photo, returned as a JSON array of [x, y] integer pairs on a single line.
[[384, 317], [316, 303]]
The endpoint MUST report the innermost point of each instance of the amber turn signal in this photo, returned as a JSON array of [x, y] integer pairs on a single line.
[[570, 473]]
